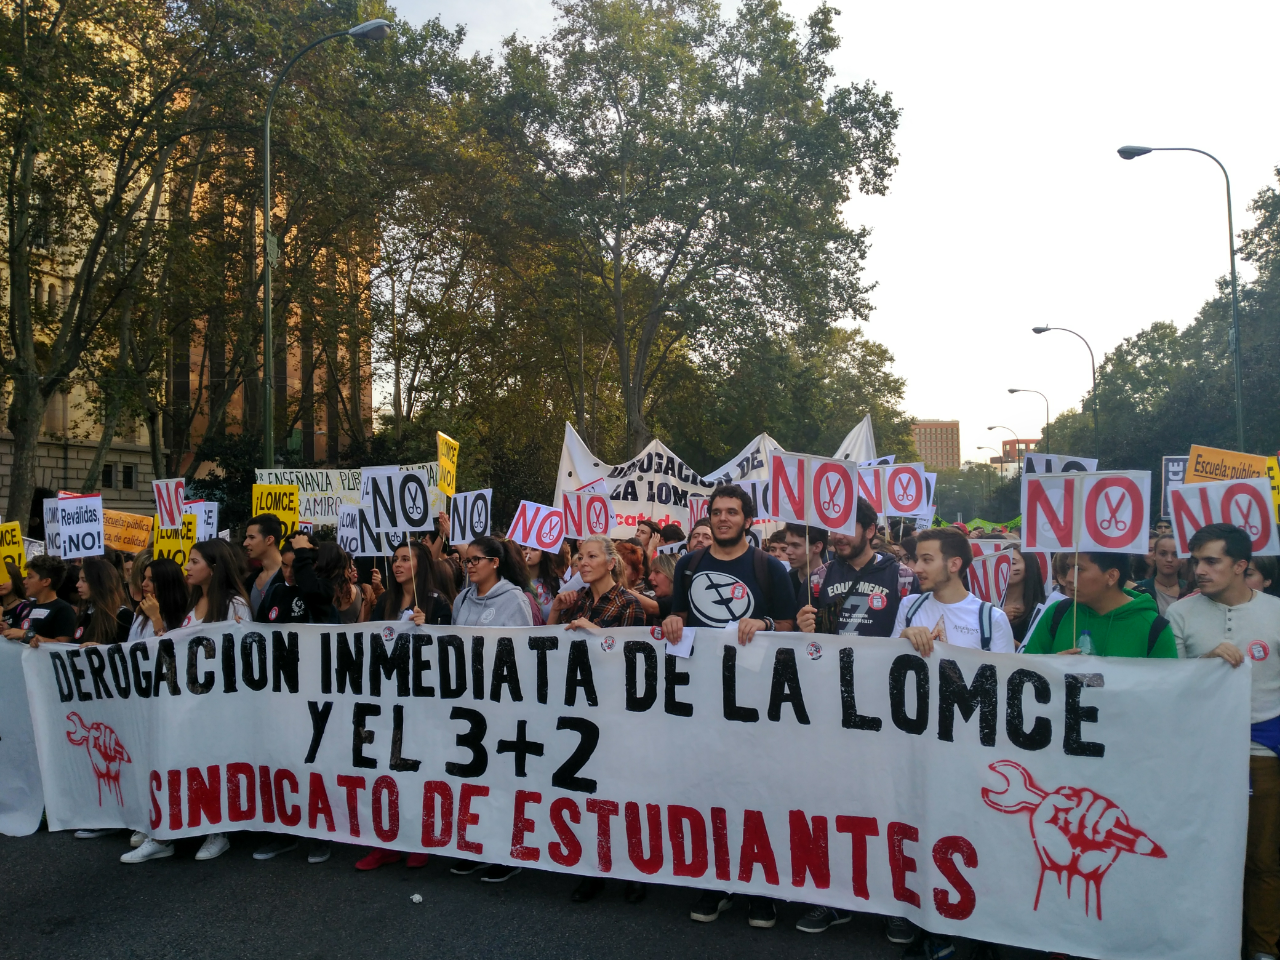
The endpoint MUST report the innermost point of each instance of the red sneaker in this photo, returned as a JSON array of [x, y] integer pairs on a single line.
[[377, 858], [416, 860]]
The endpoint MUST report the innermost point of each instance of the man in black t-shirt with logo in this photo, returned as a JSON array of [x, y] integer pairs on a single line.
[[861, 589], [728, 584], [50, 619]]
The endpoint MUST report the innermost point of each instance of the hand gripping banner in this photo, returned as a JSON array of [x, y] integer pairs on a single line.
[[1092, 806]]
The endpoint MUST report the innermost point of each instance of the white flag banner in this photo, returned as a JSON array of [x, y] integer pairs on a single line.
[[655, 484], [857, 775], [859, 445], [21, 797], [1242, 503], [320, 492], [1105, 511]]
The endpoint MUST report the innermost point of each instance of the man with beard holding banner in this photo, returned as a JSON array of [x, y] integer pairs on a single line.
[[731, 585]]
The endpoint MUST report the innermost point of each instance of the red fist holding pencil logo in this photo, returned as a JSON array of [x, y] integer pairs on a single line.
[[1077, 833]]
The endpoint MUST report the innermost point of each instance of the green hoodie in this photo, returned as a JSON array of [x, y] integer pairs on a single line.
[[1121, 633]]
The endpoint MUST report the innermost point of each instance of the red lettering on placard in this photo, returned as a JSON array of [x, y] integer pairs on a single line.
[[386, 824], [1251, 514], [794, 491], [604, 810], [352, 785], [900, 864], [522, 826], [756, 849], [859, 828], [468, 819], [432, 791], [1113, 530], [834, 495], [809, 850], [238, 810], [318, 804], [693, 861], [944, 853], [204, 797], [289, 816], [568, 851], [635, 837], [1039, 507]]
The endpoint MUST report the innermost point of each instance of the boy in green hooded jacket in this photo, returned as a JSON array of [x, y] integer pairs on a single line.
[[1108, 620]]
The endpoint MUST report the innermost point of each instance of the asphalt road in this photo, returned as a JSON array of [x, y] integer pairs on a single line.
[[65, 898]]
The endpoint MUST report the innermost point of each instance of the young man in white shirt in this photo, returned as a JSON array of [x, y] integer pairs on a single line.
[[945, 611], [1231, 620]]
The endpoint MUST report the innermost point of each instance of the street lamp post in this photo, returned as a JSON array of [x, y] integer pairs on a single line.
[[1129, 153], [1046, 412], [986, 490], [1015, 442], [371, 30], [1093, 368]]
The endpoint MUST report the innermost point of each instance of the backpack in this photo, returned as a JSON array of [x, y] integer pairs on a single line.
[[984, 618], [760, 563], [1153, 634]]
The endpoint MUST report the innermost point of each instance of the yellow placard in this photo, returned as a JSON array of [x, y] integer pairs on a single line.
[[126, 531], [280, 499], [447, 454], [176, 544], [1273, 472], [1208, 464], [11, 548]]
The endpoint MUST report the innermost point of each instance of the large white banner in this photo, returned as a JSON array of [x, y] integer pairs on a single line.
[[1086, 805], [321, 493], [21, 799]]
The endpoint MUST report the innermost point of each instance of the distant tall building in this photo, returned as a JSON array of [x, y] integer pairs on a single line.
[[938, 443]]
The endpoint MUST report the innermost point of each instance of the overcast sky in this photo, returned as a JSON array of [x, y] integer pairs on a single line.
[[1010, 207]]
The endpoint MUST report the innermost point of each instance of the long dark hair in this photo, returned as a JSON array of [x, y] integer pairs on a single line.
[[549, 570], [510, 559], [331, 568], [172, 595], [106, 597], [1032, 583], [227, 581], [19, 589], [424, 581]]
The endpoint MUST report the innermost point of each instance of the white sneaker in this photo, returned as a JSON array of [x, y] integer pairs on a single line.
[[92, 834], [215, 845], [138, 839], [149, 850]]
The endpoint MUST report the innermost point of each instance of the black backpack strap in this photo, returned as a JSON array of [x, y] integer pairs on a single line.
[[915, 607], [984, 625], [695, 558], [764, 581], [1059, 613], [1153, 635]]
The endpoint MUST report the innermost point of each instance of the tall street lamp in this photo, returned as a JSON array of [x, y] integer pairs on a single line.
[[1012, 433], [985, 489], [1046, 411], [1128, 153], [1093, 368], [371, 30]]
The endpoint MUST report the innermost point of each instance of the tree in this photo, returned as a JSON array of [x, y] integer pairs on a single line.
[[701, 170]]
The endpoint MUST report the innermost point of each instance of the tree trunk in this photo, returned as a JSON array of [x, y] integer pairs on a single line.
[[109, 423], [26, 414]]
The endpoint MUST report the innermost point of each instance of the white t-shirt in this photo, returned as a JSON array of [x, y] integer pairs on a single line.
[[959, 622], [141, 628], [238, 611]]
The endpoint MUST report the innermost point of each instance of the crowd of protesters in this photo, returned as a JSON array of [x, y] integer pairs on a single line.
[[1222, 603]]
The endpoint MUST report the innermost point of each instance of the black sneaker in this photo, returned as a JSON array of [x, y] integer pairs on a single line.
[[818, 919], [710, 905], [275, 847], [500, 873], [635, 892], [588, 889], [899, 930], [762, 913], [930, 947], [464, 868]]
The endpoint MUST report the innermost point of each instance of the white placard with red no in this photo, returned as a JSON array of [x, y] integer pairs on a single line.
[[1243, 503], [538, 526], [170, 500], [1104, 511]]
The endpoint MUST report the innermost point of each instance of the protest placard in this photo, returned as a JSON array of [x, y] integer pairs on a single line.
[[170, 496], [12, 550], [176, 544], [206, 514], [588, 511], [52, 544], [1273, 479], [1245, 504], [1209, 464], [957, 800], [1173, 472], [279, 499], [320, 492], [537, 525], [1104, 511], [357, 535], [80, 525], [469, 515], [824, 493], [1057, 463], [129, 532], [399, 500], [447, 455]]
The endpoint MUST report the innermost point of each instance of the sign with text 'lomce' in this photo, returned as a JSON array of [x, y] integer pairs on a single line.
[[1242, 503], [1104, 511]]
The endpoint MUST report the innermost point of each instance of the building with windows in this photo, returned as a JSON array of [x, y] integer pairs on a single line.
[[938, 443]]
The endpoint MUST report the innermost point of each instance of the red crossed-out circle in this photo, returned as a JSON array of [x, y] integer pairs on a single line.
[[597, 515], [833, 484], [550, 530], [1255, 496], [1003, 564], [1137, 516], [905, 479]]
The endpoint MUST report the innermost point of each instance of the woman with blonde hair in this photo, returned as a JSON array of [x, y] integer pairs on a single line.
[[604, 601]]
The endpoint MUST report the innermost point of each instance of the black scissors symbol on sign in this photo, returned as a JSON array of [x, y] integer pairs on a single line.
[[1112, 520]]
